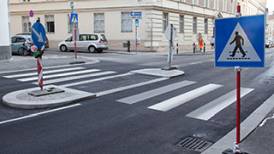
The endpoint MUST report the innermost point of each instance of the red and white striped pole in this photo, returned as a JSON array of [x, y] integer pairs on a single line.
[[40, 72]]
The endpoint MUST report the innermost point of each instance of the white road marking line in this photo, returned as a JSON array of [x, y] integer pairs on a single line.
[[95, 80], [38, 114], [182, 99], [45, 72], [48, 67], [248, 125], [128, 87], [155, 92], [75, 77], [211, 109], [59, 75]]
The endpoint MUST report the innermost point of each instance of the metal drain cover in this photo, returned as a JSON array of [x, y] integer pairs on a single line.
[[194, 144]]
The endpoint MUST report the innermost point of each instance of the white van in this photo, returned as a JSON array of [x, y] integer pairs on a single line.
[[86, 42]]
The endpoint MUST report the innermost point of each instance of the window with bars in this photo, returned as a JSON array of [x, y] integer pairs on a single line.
[[26, 24], [99, 23], [165, 21], [126, 22], [194, 25], [182, 24], [50, 25]]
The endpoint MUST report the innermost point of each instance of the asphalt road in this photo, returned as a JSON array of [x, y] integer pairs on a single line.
[[106, 126]]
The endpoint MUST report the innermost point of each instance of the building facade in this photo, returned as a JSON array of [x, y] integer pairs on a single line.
[[270, 28], [112, 17]]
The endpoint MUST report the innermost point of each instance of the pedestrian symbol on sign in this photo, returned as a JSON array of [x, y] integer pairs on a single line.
[[239, 41]]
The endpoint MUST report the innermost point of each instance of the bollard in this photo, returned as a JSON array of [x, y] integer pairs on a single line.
[[194, 47], [128, 46], [204, 47], [177, 50]]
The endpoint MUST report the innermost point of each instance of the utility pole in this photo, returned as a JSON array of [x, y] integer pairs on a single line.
[[4, 31]]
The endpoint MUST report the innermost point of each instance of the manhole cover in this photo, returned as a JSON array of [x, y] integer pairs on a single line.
[[194, 144]]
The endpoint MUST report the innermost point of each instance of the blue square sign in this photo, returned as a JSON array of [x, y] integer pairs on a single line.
[[240, 41]]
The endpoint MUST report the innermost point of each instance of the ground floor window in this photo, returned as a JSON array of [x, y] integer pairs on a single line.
[[50, 25]]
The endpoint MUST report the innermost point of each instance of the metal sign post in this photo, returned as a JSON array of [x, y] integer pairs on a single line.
[[170, 35]]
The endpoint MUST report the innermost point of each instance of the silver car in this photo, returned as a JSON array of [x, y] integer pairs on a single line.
[[20, 44], [86, 42]]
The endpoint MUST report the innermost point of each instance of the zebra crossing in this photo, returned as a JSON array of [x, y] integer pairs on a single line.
[[78, 75]]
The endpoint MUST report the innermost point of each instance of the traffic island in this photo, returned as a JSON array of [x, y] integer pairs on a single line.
[[167, 73], [51, 96]]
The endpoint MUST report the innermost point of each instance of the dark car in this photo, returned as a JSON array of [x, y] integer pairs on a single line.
[[21, 44], [29, 34]]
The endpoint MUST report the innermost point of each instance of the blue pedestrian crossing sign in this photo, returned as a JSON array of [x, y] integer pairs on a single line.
[[73, 18], [38, 35], [240, 41]]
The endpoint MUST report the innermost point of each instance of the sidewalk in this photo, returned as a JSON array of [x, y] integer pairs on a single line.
[[261, 141]]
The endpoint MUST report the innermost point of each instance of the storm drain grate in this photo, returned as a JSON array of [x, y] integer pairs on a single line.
[[194, 144]]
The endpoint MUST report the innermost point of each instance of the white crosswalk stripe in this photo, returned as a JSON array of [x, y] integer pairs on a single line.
[[59, 75], [210, 109], [44, 72], [129, 87], [155, 92], [184, 98], [76, 77]]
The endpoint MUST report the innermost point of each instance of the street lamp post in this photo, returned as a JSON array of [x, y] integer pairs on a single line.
[[4, 31]]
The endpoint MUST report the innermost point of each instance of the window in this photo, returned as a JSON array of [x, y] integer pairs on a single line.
[[201, 3], [189, 1], [206, 25], [26, 25], [194, 25], [211, 4], [221, 4], [126, 22], [206, 3], [182, 24], [92, 37], [165, 21], [50, 23], [99, 23]]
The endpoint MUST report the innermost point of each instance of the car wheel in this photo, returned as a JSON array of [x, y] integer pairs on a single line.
[[23, 52], [91, 49], [63, 48]]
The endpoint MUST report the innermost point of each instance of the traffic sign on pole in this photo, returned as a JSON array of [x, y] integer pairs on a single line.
[[38, 35], [240, 43], [136, 15], [73, 18]]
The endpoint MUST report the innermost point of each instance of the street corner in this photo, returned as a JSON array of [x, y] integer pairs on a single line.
[[167, 73], [51, 96]]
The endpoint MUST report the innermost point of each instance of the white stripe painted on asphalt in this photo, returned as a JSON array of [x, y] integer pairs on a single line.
[[59, 75], [155, 92], [211, 109], [38, 114], [183, 98], [129, 87], [95, 80], [76, 77], [45, 72], [49, 67], [248, 126]]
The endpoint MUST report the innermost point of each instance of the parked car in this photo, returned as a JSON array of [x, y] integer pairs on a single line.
[[269, 43], [86, 42], [29, 34], [21, 44]]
